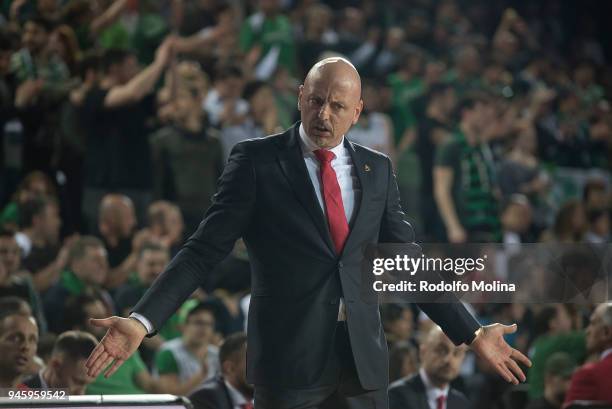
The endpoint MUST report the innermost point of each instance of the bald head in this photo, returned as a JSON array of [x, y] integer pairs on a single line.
[[330, 101], [440, 358], [116, 216]]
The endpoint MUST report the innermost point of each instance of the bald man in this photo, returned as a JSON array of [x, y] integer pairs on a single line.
[[305, 202]]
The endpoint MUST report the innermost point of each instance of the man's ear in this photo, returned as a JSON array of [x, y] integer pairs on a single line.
[[358, 111], [300, 91]]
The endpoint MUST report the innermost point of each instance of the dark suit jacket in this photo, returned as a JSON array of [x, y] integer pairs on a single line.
[[409, 393], [213, 394], [266, 196]]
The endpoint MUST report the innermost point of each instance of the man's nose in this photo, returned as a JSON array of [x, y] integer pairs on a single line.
[[324, 111]]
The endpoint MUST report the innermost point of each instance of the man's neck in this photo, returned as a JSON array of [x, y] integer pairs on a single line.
[[432, 381], [192, 124], [245, 392]]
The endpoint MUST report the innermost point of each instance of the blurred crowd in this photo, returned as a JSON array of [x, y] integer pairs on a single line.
[[116, 117]]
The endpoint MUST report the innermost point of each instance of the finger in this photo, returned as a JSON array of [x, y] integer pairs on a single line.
[[101, 322], [94, 355], [100, 363], [510, 329], [516, 370], [105, 364], [518, 356], [113, 369], [506, 374]]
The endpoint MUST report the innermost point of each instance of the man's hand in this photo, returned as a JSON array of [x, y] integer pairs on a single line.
[[490, 345], [123, 337]]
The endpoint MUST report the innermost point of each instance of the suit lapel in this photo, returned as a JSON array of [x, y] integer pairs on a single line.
[[291, 161], [365, 176], [421, 392]]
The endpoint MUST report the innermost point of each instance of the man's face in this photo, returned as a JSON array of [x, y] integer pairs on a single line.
[[128, 69], [329, 106], [598, 334], [95, 309], [151, 264], [50, 224], [124, 220], [10, 254], [402, 327], [559, 385], [441, 359], [18, 343], [92, 268], [34, 37], [71, 374], [199, 328], [238, 375]]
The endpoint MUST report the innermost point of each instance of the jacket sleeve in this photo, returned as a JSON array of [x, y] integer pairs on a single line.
[[454, 319], [223, 223]]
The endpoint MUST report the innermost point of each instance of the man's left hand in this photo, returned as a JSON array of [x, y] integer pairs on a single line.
[[490, 345]]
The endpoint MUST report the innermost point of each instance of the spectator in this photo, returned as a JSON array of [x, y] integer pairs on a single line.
[[14, 284], [557, 375], [516, 219], [599, 226], [81, 308], [230, 389], [18, 340], [166, 224], [187, 158], [464, 186], [34, 184], [595, 195], [115, 112], [553, 332], [570, 223], [223, 103], [39, 241], [398, 322], [185, 362], [87, 267], [440, 364], [66, 367], [592, 382], [267, 40], [403, 361], [42, 82]]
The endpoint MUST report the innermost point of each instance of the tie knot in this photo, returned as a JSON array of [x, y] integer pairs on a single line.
[[324, 156]]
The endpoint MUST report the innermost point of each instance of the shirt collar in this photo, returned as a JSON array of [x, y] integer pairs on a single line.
[[433, 392], [308, 146], [606, 353], [238, 398]]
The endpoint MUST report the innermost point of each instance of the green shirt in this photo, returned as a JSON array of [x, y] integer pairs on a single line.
[[121, 382], [268, 33], [472, 188], [574, 344]]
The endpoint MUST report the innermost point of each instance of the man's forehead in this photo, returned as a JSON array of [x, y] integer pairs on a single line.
[[18, 322]]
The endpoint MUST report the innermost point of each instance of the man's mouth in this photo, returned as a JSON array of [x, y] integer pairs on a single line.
[[321, 129]]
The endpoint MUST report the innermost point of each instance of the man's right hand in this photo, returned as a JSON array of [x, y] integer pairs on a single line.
[[122, 339]]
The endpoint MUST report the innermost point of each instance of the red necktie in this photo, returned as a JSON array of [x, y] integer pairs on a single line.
[[247, 405], [336, 218], [440, 402]]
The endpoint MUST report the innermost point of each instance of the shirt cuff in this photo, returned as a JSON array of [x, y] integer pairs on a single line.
[[144, 321]]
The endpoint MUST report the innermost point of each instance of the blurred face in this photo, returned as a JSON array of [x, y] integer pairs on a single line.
[[10, 254], [34, 37], [441, 359], [329, 105], [151, 264], [5, 61], [92, 267], [199, 328], [261, 102], [56, 45], [598, 334], [70, 374], [95, 309], [235, 369], [124, 219], [402, 327], [562, 323], [128, 69], [230, 87], [558, 385], [18, 343], [49, 223]]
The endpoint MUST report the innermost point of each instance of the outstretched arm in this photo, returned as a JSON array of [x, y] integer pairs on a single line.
[[223, 224], [454, 319]]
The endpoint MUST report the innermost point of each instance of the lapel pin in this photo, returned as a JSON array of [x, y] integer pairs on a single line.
[[366, 168]]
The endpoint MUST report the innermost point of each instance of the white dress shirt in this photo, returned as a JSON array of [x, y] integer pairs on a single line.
[[349, 188], [433, 392], [237, 398]]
